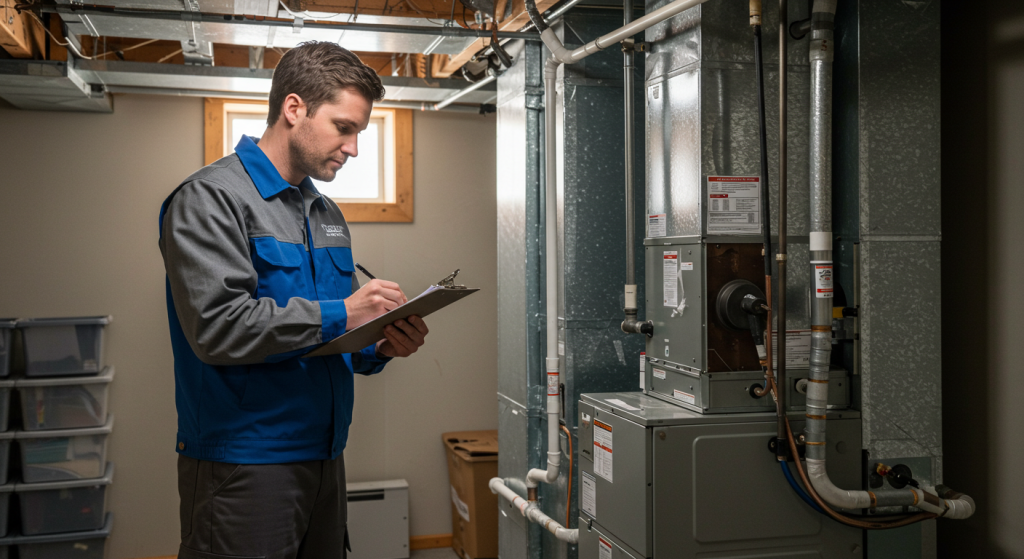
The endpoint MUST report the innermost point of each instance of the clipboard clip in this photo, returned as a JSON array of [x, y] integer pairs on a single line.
[[449, 281]]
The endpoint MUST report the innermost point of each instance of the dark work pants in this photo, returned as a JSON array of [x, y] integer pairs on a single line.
[[271, 511]]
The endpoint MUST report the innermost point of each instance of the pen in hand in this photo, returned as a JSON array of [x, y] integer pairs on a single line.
[[365, 271]]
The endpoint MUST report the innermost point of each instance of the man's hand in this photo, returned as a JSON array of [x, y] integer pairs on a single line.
[[403, 337], [372, 300]]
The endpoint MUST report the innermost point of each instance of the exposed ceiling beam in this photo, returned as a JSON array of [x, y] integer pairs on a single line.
[[19, 35], [515, 22]]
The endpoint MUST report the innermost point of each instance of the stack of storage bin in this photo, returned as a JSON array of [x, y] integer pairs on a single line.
[[65, 425]]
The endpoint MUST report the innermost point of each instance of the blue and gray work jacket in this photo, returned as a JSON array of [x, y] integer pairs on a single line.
[[257, 270]]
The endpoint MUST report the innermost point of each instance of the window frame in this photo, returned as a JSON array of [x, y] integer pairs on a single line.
[[400, 211]]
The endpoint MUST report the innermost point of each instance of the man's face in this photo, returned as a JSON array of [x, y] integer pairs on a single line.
[[321, 144]]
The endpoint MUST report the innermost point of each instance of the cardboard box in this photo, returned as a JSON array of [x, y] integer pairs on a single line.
[[472, 462]]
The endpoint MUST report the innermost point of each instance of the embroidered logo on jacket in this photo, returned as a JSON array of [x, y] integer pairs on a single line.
[[333, 230]]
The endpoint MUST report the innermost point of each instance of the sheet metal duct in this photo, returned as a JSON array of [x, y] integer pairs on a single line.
[[217, 79], [49, 86], [172, 23]]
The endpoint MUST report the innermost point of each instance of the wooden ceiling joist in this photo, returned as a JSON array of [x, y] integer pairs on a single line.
[[515, 22]]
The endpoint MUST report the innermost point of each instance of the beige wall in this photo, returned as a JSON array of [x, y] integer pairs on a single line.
[[79, 196]]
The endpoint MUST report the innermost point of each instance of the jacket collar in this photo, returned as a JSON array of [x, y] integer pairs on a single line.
[[264, 175]]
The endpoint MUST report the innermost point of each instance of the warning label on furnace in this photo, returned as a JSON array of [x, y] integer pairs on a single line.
[[670, 271], [734, 205], [604, 549], [656, 225], [798, 349], [589, 493], [603, 450]]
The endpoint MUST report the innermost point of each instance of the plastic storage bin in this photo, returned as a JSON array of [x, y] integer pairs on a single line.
[[5, 507], [63, 346], [6, 332], [5, 454], [63, 454], [63, 506], [5, 403], [73, 545], [64, 402]]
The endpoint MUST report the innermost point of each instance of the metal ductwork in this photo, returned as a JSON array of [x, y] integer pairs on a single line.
[[84, 85]]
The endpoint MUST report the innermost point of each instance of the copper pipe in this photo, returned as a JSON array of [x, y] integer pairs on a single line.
[[865, 524], [568, 492], [769, 376]]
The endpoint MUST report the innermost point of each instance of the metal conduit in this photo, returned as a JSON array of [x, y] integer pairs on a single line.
[[463, 92]]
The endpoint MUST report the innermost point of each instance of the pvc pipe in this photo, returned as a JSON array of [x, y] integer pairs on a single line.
[[532, 512], [535, 476]]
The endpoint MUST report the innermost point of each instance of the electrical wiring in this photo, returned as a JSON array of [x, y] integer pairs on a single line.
[[169, 56], [126, 49], [799, 490], [69, 45]]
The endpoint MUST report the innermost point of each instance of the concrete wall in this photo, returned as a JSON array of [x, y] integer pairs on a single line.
[[79, 197]]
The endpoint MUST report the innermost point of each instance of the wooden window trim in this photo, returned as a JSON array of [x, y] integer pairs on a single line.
[[401, 211]]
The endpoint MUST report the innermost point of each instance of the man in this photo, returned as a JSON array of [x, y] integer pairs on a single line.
[[259, 272]]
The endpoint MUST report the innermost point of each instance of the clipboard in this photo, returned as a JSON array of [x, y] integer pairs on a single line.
[[435, 298]]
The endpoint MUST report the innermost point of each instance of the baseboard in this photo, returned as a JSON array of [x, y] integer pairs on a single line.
[[430, 542]]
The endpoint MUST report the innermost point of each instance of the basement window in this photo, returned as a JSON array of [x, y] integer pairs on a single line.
[[376, 186]]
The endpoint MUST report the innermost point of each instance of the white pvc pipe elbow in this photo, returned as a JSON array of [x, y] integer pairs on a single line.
[[532, 512]]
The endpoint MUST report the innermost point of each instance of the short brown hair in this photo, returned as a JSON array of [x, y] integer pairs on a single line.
[[314, 71]]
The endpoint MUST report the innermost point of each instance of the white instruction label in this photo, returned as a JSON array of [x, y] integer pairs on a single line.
[[604, 549], [686, 266], [621, 404], [671, 276], [589, 493], [460, 505], [603, 450], [798, 349], [657, 225], [552, 384], [658, 373], [684, 397], [734, 205], [643, 370], [823, 281]]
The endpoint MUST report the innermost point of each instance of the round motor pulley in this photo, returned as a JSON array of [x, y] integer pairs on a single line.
[[729, 305]]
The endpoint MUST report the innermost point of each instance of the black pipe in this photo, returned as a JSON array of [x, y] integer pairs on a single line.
[[780, 371], [766, 216], [538, 22]]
